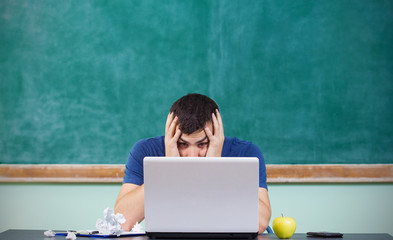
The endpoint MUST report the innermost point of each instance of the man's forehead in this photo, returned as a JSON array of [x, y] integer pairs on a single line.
[[197, 136]]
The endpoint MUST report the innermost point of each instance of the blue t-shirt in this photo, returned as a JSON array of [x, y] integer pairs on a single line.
[[233, 147]]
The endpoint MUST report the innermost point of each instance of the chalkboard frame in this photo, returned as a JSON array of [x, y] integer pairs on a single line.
[[113, 173]]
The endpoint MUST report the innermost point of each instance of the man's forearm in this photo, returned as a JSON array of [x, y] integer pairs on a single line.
[[264, 210], [264, 216], [132, 206]]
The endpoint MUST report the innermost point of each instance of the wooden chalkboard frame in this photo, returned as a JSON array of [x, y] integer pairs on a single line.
[[113, 173]]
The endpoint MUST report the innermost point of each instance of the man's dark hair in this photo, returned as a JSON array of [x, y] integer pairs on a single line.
[[193, 111]]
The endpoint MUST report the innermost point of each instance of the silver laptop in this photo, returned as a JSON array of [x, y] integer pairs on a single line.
[[201, 197]]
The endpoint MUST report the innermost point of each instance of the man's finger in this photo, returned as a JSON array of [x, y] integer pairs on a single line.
[[177, 134], [172, 127], [209, 133], [220, 121], [216, 127], [218, 115], [168, 121]]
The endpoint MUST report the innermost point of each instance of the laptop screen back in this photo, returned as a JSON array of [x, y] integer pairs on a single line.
[[198, 195]]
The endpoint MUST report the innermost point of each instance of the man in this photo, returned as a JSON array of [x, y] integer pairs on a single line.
[[193, 129]]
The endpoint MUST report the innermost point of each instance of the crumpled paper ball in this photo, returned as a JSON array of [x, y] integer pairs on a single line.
[[111, 225], [71, 236], [49, 233], [137, 228]]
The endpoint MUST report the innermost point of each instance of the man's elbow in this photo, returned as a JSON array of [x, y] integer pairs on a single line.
[[129, 223], [262, 227], [264, 220], [126, 226]]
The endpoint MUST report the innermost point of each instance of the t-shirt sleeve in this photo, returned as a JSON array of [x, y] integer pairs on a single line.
[[134, 168], [254, 151]]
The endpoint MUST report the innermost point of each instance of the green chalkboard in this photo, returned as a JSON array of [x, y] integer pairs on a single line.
[[307, 81]]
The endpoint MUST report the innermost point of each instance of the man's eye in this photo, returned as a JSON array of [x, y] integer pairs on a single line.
[[182, 145], [202, 144]]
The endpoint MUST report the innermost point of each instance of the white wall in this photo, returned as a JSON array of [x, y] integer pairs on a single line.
[[347, 208]]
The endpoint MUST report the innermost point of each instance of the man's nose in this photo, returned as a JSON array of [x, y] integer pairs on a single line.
[[193, 152]]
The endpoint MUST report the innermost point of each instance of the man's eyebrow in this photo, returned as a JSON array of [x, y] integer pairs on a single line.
[[202, 140], [181, 139]]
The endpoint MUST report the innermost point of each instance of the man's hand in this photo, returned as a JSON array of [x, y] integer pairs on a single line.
[[216, 140], [172, 134]]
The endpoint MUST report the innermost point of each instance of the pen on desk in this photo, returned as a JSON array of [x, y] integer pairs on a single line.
[[81, 232]]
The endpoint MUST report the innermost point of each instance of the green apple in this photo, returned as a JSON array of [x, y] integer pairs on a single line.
[[284, 227]]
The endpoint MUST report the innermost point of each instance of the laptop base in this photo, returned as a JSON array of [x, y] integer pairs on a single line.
[[195, 235]]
